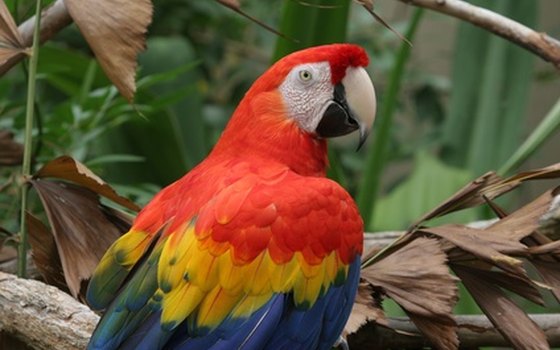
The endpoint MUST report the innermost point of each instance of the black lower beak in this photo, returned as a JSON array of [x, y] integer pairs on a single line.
[[338, 119]]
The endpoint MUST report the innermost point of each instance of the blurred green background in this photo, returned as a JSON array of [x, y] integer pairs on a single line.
[[455, 105]]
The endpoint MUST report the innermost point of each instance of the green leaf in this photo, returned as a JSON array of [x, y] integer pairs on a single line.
[[430, 182], [547, 127], [310, 23], [172, 136], [491, 81], [113, 158], [166, 76], [174, 65], [63, 67], [375, 161]]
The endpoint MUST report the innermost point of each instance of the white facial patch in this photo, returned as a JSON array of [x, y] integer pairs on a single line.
[[307, 91]]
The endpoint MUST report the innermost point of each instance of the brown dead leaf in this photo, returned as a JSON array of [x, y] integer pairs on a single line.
[[496, 209], [549, 172], [545, 257], [416, 276], [497, 243], [492, 247], [524, 221], [83, 229], [11, 42], [66, 168], [486, 260], [442, 336], [550, 274], [512, 322], [552, 248], [115, 30], [366, 308], [519, 284], [505, 185], [487, 187], [44, 253], [469, 196], [11, 152], [550, 221]]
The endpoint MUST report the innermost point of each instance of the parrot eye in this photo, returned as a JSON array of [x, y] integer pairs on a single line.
[[305, 75]]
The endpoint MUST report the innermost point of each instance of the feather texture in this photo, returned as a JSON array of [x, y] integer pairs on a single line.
[[254, 248]]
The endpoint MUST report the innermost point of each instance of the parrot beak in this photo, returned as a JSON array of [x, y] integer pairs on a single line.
[[352, 107]]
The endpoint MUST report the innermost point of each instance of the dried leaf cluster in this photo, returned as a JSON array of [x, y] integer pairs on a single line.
[[115, 31], [81, 228], [420, 271], [11, 43], [416, 270]]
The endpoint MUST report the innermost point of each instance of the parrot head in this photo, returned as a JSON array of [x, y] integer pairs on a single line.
[[306, 97], [328, 92]]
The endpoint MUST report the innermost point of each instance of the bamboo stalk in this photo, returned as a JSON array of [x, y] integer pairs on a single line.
[[28, 142]]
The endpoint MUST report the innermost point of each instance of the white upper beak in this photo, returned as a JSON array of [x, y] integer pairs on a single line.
[[360, 96]]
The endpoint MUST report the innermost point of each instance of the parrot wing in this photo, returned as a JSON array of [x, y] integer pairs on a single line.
[[270, 262]]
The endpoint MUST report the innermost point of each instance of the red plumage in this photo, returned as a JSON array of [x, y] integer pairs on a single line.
[[256, 223]]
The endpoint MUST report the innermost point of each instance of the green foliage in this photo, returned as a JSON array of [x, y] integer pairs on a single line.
[[28, 144], [488, 99], [171, 135], [547, 127], [375, 161], [311, 23], [430, 182]]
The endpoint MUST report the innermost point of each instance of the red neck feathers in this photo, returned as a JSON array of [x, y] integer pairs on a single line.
[[260, 127]]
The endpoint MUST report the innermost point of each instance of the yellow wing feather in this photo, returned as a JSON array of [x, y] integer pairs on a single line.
[[195, 281]]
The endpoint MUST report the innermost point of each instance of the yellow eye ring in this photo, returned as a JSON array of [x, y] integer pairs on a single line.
[[305, 75]]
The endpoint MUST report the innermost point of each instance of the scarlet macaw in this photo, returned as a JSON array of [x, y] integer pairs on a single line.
[[254, 248]]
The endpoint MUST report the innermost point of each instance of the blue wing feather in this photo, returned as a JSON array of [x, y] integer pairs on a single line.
[[279, 324], [150, 335], [130, 309], [320, 326], [252, 333]]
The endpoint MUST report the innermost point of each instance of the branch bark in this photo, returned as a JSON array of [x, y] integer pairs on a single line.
[[56, 17], [43, 316], [540, 44], [474, 331], [53, 19], [47, 318]]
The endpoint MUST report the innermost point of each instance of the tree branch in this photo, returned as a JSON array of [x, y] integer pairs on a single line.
[[474, 331], [43, 316], [540, 44], [47, 318], [56, 17], [53, 19]]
